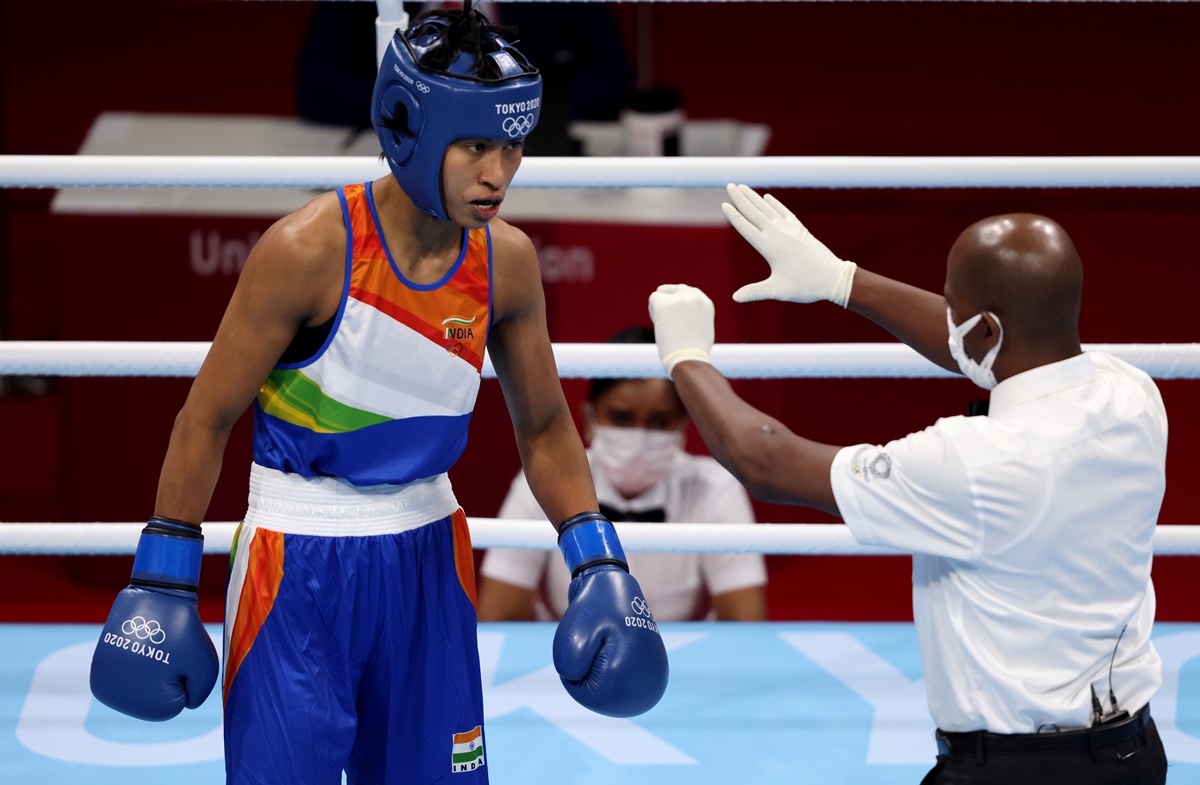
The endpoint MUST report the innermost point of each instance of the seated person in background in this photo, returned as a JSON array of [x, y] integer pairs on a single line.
[[635, 428]]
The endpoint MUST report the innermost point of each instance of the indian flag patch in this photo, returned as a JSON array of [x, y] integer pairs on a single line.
[[459, 327], [467, 753]]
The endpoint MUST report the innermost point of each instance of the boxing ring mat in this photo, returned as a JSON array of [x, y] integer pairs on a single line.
[[747, 703]]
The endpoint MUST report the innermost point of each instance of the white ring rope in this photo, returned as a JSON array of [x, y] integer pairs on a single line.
[[810, 539], [585, 360], [327, 172], [795, 1]]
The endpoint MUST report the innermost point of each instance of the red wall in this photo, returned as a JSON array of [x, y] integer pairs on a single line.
[[829, 78]]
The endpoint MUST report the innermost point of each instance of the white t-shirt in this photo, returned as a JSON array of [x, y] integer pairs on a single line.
[[1032, 531], [677, 585]]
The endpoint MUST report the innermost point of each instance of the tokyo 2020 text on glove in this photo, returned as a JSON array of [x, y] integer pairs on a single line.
[[154, 656], [607, 649]]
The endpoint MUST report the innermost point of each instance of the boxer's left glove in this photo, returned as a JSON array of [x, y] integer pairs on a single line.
[[154, 656], [607, 648]]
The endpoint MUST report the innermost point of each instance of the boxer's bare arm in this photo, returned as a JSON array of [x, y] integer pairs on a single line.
[[293, 276], [551, 450]]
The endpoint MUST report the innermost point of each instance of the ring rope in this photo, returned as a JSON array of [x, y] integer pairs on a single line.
[[809, 539], [586, 360], [327, 172], [794, 1]]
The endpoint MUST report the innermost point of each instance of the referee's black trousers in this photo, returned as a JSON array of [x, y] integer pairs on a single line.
[[1128, 753]]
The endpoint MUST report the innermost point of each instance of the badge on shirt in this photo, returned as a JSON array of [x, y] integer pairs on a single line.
[[871, 463]]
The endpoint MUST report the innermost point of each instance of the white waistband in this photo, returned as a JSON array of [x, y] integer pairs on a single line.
[[333, 507]]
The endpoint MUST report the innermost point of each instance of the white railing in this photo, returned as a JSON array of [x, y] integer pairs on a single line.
[[584, 360], [204, 171], [811, 539]]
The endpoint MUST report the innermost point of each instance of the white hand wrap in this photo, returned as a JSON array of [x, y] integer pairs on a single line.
[[803, 270], [683, 324]]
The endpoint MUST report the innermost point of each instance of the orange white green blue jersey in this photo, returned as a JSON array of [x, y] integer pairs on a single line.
[[388, 397]]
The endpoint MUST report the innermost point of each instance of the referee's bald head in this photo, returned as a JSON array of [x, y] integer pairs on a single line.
[[1024, 268]]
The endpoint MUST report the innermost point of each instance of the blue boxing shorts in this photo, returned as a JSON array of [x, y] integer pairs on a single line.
[[350, 636]]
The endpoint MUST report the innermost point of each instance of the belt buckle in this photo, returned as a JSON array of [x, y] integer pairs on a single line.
[[944, 746]]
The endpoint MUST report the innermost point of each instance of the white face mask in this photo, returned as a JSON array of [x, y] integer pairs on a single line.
[[980, 373], [634, 459]]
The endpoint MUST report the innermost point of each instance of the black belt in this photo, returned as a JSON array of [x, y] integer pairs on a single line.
[[980, 741]]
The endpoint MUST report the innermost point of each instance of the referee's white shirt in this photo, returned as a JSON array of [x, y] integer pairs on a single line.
[[676, 585], [1031, 532]]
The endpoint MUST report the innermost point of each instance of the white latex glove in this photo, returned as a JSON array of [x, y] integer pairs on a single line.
[[683, 324], [802, 269]]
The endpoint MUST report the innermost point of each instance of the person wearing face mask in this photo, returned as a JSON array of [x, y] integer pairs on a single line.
[[1031, 528], [636, 429]]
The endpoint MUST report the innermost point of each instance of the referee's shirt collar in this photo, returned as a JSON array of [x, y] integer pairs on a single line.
[[1040, 382]]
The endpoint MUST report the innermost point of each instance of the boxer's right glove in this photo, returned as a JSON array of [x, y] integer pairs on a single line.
[[607, 649], [154, 656], [803, 270]]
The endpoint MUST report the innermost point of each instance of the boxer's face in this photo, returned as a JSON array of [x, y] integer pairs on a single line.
[[475, 177]]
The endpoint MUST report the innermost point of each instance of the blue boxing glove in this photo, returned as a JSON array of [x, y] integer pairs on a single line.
[[154, 656], [607, 649]]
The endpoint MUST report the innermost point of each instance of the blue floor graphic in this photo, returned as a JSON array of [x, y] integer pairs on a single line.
[[747, 704]]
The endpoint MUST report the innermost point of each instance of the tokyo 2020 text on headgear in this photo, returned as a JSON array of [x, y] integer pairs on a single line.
[[451, 75]]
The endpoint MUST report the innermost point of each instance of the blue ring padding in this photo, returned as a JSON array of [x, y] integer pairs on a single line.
[[164, 559], [590, 541]]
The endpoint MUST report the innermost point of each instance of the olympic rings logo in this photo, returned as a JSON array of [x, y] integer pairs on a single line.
[[640, 608], [518, 126], [424, 88], [139, 627]]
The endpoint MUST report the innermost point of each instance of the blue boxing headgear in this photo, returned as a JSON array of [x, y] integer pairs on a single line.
[[489, 91]]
